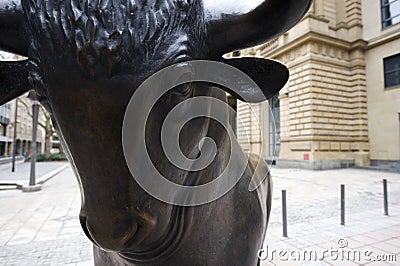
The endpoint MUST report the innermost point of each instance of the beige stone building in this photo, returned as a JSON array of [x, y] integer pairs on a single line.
[[341, 105], [383, 78], [24, 129]]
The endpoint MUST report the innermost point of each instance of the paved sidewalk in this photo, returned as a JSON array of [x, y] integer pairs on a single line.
[[42, 228], [313, 201], [315, 195], [369, 238], [22, 171]]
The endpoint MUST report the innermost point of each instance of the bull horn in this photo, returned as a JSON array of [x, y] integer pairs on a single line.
[[234, 25], [269, 75], [12, 25]]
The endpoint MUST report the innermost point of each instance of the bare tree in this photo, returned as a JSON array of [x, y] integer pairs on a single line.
[[45, 124]]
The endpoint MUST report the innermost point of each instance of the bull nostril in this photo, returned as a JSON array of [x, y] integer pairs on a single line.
[[114, 238]]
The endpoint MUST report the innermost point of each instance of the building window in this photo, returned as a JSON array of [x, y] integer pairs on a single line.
[[274, 127], [392, 71], [390, 12], [5, 114]]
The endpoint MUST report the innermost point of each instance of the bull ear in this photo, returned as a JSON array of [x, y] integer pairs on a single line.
[[269, 75], [234, 25], [13, 80], [12, 25]]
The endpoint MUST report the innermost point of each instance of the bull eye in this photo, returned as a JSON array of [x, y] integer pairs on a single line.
[[183, 89], [185, 80]]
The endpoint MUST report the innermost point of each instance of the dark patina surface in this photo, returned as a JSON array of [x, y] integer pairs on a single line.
[[85, 61]]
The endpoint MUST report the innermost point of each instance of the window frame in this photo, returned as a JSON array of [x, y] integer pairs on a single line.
[[386, 72], [385, 20], [274, 127]]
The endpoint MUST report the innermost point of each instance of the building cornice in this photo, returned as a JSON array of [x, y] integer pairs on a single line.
[[384, 38], [316, 37]]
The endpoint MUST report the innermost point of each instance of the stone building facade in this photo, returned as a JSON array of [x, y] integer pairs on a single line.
[[382, 32], [24, 130], [335, 110]]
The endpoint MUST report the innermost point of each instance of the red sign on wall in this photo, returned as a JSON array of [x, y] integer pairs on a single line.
[[306, 157]]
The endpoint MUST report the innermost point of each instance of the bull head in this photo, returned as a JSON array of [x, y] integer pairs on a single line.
[[85, 61]]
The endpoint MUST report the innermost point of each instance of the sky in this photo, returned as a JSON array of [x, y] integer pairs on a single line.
[[228, 6]]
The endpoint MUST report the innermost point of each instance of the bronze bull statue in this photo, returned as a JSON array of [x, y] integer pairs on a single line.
[[85, 59]]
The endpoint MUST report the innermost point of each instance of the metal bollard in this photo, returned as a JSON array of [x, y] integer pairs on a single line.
[[385, 197], [342, 204], [284, 213]]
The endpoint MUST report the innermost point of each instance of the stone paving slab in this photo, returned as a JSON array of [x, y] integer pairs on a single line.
[[43, 228], [314, 218], [62, 251], [341, 245], [315, 195]]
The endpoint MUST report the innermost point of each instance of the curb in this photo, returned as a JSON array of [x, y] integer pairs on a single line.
[[43, 179], [9, 159], [8, 187], [18, 184], [378, 169]]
